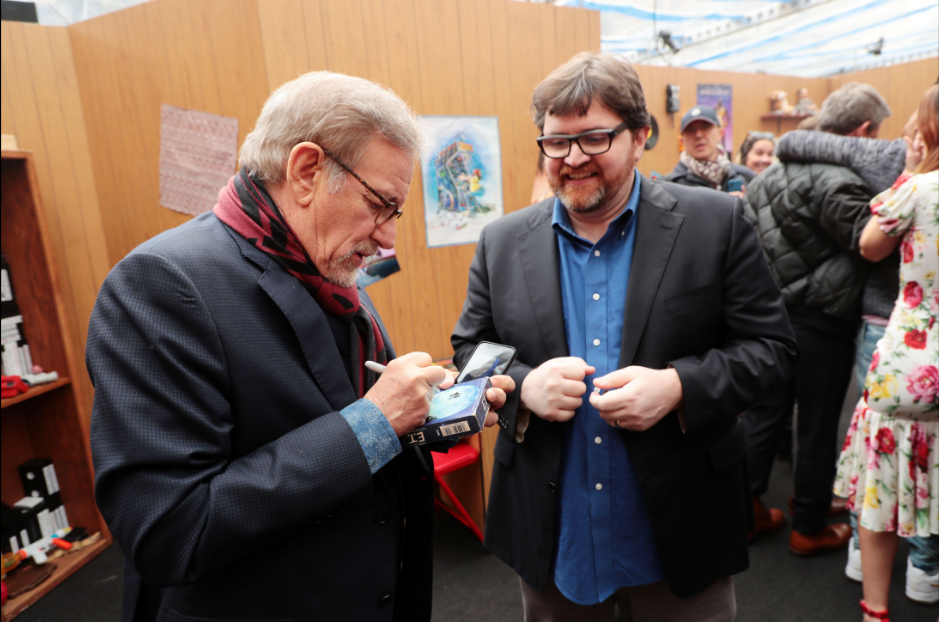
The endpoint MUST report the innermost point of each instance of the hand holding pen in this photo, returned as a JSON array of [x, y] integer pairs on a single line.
[[496, 396], [405, 388]]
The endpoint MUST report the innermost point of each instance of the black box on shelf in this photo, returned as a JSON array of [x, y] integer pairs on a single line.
[[8, 306], [12, 522], [20, 528], [38, 477], [37, 507]]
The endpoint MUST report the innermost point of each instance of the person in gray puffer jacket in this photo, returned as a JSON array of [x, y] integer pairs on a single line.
[[809, 215]]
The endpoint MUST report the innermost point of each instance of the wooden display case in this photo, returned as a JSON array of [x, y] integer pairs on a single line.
[[44, 422]]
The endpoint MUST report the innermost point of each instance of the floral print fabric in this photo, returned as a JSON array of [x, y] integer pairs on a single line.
[[889, 465]]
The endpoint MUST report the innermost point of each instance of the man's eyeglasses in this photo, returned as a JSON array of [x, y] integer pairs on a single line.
[[389, 211], [593, 142]]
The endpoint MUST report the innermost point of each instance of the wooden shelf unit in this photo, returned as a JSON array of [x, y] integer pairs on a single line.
[[45, 422]]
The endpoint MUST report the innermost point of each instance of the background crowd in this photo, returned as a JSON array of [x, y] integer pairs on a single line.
[[848, 224]]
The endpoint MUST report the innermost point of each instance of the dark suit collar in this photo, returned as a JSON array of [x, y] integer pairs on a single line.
[[309, 323], [540, 259], [656, 230]]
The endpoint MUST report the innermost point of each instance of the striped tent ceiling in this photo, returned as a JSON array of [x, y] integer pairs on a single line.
[[809, 38]]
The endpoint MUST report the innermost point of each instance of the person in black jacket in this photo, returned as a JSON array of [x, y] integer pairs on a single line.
[[809, 215], [608, 287], [702, 163]]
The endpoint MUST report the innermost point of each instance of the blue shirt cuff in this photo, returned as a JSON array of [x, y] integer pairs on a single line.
[[373, 431]]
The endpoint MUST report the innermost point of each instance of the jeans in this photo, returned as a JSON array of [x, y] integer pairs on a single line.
[[924, 552], [826, 360]]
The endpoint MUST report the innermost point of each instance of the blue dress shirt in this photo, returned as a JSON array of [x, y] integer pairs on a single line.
[[604, 539]]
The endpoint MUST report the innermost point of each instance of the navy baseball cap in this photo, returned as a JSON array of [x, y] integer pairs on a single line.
[[699, 113]]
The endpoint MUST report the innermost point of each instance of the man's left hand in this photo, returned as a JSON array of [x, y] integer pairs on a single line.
[[638, 397], [496, 397]]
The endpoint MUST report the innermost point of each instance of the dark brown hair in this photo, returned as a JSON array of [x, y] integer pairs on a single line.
[[929, 129], [573, 86]]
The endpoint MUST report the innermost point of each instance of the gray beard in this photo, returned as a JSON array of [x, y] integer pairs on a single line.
[[342, 277]]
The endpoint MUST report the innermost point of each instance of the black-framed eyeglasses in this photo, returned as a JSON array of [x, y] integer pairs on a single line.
[[389, 211], [593, 142]]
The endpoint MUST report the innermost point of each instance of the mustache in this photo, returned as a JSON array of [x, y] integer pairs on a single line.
[[586, 168], [366, 249]]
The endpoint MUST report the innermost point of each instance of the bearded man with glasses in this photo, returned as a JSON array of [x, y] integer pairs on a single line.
[[645, 321], [246, 461]]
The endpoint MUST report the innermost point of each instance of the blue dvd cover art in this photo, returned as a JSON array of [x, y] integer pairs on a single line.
[[453, 401]]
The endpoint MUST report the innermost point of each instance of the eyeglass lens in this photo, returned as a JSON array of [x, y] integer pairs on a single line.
[[590, 144]]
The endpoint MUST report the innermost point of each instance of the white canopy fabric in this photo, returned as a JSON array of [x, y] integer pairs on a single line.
[[809, 38]]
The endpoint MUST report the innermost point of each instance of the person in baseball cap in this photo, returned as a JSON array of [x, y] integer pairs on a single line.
[[700, 113], [703, 162]]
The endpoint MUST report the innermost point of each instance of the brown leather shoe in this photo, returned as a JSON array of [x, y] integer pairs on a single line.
[[768, 520], [831, 538], [838, 507]]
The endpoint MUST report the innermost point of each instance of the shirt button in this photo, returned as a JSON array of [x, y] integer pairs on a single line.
[[598, 440], [596, 296], [596, 342], [599, 486], [596, 253], [382, 517], [622, 234], [385, 600]]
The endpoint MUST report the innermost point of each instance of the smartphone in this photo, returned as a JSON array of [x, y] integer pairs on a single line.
[[488, 359], [735, 185]]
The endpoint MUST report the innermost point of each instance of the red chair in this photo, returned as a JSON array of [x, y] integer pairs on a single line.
[[461, 455]]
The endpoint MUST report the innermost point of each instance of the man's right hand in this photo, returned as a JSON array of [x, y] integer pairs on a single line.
[[554, 390], [403, 392]]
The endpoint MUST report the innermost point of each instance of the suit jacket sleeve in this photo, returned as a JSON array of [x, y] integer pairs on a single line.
[[177, 501], [758, 350], [476, 324]]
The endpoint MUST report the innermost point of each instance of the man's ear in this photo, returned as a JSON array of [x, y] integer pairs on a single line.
[[640, 137], [862, 131], [305, 170]]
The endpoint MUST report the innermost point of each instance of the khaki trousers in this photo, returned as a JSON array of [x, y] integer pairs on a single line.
[[646, 603]]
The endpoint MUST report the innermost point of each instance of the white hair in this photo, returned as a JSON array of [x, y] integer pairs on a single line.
[[849, 107], [337, 112]]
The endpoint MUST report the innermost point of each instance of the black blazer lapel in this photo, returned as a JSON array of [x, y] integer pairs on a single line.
[[309, 324], [540, 259], [656, 230]]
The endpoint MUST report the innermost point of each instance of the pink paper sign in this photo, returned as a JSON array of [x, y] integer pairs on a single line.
[[198, 155]]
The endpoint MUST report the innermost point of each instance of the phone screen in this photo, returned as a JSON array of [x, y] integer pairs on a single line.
[[488, 359]]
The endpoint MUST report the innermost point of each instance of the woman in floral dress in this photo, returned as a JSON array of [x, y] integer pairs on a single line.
[[889, 466]]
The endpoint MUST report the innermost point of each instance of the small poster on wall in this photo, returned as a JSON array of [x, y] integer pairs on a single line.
[[462, 176], [719, 97], [198, 154]]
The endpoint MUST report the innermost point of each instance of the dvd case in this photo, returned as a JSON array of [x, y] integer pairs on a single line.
[[459, 411]]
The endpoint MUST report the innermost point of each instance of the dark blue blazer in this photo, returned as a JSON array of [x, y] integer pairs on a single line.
[[223, 468]]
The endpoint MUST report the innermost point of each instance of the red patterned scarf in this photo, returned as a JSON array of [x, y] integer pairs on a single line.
[[245, 206]]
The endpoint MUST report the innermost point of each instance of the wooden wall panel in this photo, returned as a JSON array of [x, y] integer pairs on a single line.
[[43, 109], [205, 56], [901, 85]]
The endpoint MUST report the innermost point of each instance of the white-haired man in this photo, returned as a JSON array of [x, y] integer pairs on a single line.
[[246, 462]]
